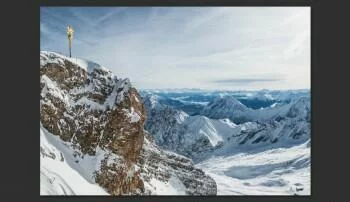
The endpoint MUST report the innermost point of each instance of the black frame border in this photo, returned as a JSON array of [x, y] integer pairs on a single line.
[[24, 180]]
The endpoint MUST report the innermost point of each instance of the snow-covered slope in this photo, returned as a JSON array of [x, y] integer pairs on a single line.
[[163, 172], [48, 57], [62, 173], [274, 171], [92, 136]]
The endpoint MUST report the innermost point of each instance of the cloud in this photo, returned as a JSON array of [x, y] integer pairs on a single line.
[[43, 29], [246, 80], [201, 47], [297, 45], [205, 17]]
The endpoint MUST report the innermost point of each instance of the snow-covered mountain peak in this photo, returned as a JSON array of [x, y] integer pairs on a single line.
[[224, 107], [92, 128], [53, 57], [88, 107], [300, 107], [262, 95], [228, 101], [151, 100]]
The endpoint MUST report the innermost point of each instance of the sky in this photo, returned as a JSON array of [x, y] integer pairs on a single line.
[[213, 48]]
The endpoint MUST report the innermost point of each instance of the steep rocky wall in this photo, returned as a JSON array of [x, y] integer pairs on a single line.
[[94, 123]]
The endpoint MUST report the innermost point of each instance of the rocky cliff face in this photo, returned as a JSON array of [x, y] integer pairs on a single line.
[[91, 109], [160, 166]]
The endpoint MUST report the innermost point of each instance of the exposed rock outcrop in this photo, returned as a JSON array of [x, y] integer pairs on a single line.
[[160, 165], [91, 109]]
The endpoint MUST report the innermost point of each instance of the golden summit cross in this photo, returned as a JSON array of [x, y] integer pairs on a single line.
[[70, 32]]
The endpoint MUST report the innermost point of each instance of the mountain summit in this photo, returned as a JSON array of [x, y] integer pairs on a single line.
[[92, 139]]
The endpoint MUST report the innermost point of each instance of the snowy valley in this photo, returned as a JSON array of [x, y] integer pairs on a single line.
[[247, 151]]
